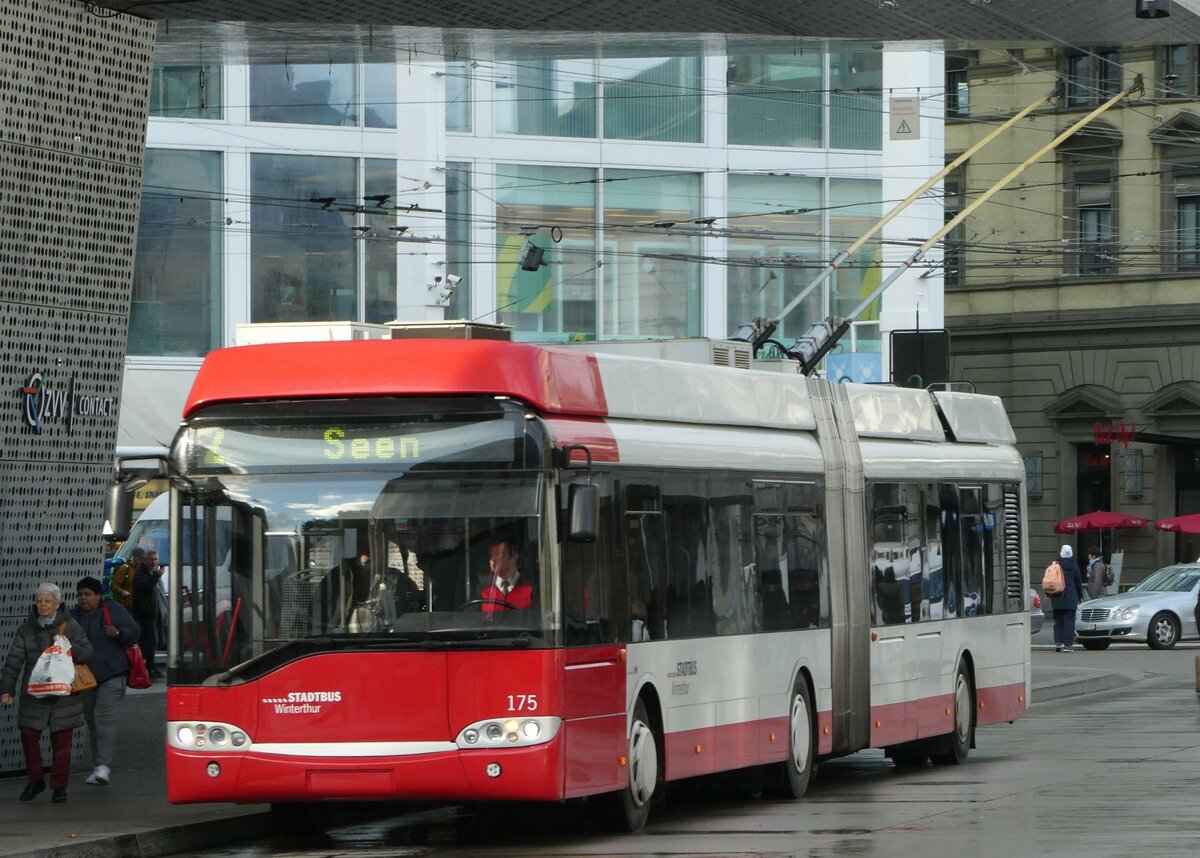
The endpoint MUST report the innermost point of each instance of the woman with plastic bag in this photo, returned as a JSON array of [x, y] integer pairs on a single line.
[[60, 713]]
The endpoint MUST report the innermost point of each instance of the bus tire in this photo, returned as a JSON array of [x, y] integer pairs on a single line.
[[795, 773], [632, 804], [958, 743]]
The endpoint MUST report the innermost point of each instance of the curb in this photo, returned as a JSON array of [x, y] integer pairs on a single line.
[[172, 840]]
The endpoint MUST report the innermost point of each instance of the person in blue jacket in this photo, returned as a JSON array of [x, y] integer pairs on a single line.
[[1065, 603], [109, 627]]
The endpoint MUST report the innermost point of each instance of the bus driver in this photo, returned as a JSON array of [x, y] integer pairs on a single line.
[[506, 589]]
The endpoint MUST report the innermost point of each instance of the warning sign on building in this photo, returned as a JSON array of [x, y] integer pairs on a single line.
[[904, 118]]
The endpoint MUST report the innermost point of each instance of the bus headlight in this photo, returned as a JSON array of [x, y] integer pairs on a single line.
[[191, 736], [508, 733]]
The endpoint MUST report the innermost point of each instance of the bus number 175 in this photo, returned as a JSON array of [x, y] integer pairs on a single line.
[[522, 703]]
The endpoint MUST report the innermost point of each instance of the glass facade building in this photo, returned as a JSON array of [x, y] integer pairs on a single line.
[[673, 194]]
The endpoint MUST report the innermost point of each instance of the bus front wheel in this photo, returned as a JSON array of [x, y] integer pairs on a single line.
[[796, 770], [632, 804]]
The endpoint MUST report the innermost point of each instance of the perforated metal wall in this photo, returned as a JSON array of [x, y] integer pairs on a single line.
[[74, 91]]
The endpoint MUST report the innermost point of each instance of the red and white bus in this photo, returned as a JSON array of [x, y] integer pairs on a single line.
[[730, 568]]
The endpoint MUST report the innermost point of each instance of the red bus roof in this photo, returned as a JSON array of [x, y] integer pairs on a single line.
[[554, 381]]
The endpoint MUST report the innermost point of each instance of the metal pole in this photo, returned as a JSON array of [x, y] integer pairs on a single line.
[[911, 198]]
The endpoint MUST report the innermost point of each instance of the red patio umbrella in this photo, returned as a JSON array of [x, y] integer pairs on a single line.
[[1099, 520], [1180, 524]]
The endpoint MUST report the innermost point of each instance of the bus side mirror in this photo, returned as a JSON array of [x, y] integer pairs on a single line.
[[583, 513], [118, 509]]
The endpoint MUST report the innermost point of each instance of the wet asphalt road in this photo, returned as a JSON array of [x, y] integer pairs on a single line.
[[1115, 773]]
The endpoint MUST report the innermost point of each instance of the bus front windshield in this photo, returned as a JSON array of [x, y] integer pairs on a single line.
[[372, 557]]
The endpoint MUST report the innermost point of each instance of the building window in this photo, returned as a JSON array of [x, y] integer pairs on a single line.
[[546, 97], [304, 265], [767, 272], [1095, 224], [378, 109], [652, 98], [1187, 232], [1034, 474], [177, 281], [324, 94], [854, 205], [458, 96], [651, 274], [377, 241], [776, 99], [458, 237], [958, 94], [1093, 78], [856, 99], [186, 92], [643, 98], [1178, 78], [953, 246], [555, 208]]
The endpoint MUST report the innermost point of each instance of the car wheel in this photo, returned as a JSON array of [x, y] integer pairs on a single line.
[[1164, 631], [1095, 644], [958, 743], [632, 804]]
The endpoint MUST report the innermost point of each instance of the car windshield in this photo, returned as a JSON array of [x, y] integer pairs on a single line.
[[1172, 579]]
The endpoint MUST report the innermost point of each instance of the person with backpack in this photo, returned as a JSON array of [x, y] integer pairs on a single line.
[[1099, 576], [1065, 602]]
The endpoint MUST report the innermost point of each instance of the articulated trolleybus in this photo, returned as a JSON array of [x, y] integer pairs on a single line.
[[474, 570]]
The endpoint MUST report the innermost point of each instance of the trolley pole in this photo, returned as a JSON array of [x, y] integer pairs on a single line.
[[823, 336]]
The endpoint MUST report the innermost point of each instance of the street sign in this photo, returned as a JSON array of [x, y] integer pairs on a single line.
[[904, 118]]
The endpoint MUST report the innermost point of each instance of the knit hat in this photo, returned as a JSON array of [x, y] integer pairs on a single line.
[[1066, 552]]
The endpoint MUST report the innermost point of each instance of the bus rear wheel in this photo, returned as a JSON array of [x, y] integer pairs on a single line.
[[631, 806], [958, 743]]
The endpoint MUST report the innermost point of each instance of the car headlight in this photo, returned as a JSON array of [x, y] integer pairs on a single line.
[[1128, 613], [508, 732]]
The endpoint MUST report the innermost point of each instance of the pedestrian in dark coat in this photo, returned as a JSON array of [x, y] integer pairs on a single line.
[[35, 714], [110, 628], [1065, 603]]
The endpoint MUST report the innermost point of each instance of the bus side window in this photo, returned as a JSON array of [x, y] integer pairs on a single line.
[[644, 560]]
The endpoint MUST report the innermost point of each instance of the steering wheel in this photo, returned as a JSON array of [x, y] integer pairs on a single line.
[[508, 606]]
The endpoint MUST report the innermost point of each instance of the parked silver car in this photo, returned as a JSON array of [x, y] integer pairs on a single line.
[[1036, 617], [1159, 611]]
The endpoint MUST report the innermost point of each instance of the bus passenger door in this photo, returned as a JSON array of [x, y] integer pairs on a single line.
[[593, 668]]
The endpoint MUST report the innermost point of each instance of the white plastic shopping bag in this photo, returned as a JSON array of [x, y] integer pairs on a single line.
[[54, 671]]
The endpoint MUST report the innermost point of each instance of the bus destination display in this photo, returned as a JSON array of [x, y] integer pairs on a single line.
[[242, 449]]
